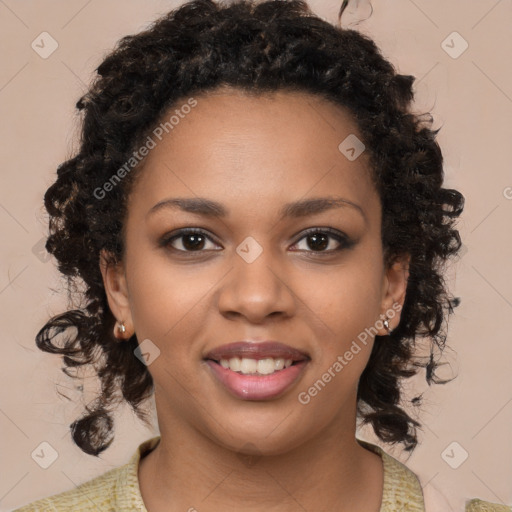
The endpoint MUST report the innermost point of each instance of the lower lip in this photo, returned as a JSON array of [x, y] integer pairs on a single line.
[[254, 387]]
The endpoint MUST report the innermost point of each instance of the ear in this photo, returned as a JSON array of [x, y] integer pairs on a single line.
[[114, 281], [393, 292]]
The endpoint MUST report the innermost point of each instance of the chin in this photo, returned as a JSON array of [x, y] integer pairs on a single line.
[[267, 434]]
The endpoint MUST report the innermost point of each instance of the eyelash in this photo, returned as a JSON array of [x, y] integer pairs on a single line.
[[343, 240]]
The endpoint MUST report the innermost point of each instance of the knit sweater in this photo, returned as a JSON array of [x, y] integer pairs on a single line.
[[476, 505], [118, 489]]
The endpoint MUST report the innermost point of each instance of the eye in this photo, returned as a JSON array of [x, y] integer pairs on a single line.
[[324, 240], [318, 241], [188, 240]]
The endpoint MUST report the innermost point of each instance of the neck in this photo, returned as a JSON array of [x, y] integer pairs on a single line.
[[329, 472]]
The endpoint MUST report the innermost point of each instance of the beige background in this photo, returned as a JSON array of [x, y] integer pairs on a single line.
[[471, 99]]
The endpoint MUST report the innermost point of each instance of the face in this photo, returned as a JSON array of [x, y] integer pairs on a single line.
[[284, 244]]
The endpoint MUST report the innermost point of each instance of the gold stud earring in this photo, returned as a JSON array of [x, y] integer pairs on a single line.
[[386, 325], [119, 332]]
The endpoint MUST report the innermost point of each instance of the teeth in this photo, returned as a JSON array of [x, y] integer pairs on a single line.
[[248, 366], [265, 366], [279, 364], [234, 364]]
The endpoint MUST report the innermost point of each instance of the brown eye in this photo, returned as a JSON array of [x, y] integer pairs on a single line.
[[318, 241], [192, 241], [323, 240], [189, 240]]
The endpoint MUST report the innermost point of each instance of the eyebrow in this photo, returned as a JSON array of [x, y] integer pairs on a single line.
[[297, 209]]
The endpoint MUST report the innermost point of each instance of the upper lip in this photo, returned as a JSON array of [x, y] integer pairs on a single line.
[[256, 350]]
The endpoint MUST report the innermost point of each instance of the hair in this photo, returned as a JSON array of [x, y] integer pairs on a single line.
[[259, 48]]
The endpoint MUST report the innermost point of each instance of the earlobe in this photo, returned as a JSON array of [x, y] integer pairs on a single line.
[[116, 290]]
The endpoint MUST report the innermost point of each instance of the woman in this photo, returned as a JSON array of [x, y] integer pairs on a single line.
[[260, 224]]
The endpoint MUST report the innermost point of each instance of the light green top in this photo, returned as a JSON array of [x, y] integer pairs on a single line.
[[118, 489], [476, 505]]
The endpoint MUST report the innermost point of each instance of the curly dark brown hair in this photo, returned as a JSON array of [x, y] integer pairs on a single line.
[[257, 47]]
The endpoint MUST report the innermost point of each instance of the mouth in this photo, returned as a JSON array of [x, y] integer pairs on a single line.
[[256, 371], [263, 358]]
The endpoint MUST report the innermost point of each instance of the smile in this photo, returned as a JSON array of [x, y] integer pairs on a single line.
[[248, 366], [256, 371]]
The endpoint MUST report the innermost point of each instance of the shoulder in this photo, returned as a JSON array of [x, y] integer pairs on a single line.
[[117, 489], [476, 505], [96, 492], [402, 489]]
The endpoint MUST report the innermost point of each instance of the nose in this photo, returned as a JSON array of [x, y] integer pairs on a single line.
[[256, 290]]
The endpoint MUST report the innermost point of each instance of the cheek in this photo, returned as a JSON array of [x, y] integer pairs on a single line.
[[169, 303], [346, 298], [347, 306]]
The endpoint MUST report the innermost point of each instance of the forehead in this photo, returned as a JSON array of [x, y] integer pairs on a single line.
[[260, 147]]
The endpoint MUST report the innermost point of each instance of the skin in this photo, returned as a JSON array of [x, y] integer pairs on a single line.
[[253, 155]]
